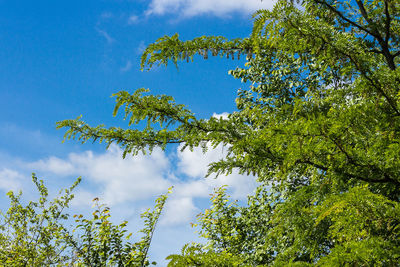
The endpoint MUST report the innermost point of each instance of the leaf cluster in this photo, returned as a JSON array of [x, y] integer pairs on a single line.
[[37, 234]]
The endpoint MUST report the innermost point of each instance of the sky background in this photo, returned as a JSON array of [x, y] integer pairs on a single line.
[[63, 59]]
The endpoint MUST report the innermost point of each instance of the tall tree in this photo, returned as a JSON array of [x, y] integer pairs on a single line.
[[319, 127]]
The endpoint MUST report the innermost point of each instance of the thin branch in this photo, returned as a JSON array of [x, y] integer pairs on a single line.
[[378, 88], [387, 22], [359, 68], [383, 42], [375, 33], [375, 51], [150, 235], [363, 11], [353, 161], [386, 179], [340, 14]]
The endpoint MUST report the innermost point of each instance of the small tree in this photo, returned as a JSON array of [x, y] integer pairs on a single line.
[[103, 244], [36, 234]]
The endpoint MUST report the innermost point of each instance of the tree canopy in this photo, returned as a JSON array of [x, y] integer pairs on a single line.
[[319, 127]]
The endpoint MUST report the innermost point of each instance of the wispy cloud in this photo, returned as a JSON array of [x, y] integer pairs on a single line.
[[26, 140], [106, 15], [133, 19], [11, 180], [140, 48], [190, 8], [54, 165], [106, 36], [127, 67]]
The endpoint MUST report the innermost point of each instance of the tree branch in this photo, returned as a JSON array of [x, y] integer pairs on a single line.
[[340, 14], [383, 42], [386, 179], [387, 22]]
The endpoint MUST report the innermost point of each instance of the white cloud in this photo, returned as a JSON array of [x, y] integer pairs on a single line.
[[179, 211], [195, 164], [127, 67], [223, 115], [106, 15], [83, 198], [180, 208], [190, 8], [54, 165], [106, 36], [10, 180], [120, 181], [193, 188], [140, 48], [133, 19]]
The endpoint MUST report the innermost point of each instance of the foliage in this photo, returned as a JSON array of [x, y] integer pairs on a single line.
[[356, 227], [195, 256], [238, 230], [319, 128], [36, 234], [103, 244]]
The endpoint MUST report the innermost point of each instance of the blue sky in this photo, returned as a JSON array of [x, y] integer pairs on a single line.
[[62, 59]]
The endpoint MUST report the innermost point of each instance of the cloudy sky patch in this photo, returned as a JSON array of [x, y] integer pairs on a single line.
[[119, 181], [220, 8]]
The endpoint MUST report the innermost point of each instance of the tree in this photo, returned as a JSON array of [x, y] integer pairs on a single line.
[[318, 127], [34, 234], [103, 244], [37, 234]]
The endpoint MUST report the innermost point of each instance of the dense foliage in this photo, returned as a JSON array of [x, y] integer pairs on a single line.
[[37, 233], [319, 127], [34, 234]]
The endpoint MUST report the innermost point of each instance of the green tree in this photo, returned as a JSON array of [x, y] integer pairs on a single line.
[[35, 234], [319, 127], [103, 244], [38, 234]]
